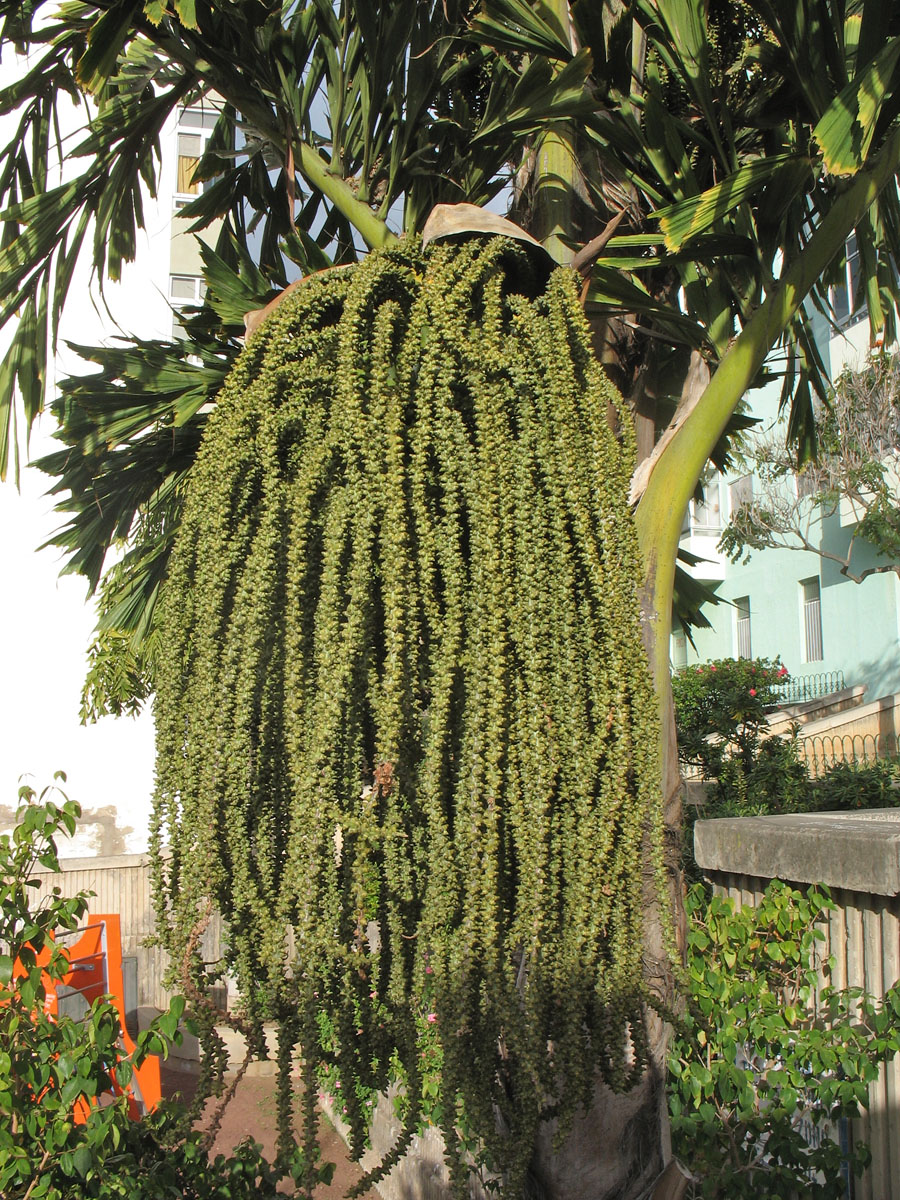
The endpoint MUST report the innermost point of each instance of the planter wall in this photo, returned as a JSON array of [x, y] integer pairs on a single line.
[[858, 856]]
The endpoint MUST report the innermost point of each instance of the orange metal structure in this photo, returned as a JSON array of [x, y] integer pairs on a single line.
[[96, 970]]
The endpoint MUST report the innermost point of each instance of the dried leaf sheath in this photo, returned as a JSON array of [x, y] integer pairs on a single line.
[[403, 707]]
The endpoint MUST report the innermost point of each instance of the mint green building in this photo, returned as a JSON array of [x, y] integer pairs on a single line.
[[789, 603]]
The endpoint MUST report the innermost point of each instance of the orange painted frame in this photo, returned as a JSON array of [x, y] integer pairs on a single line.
[[95, 971]]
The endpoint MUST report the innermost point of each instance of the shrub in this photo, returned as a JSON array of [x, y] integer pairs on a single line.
[[768, 1052], [775, 782], [850, 785], [720, 711], [49, 1066]]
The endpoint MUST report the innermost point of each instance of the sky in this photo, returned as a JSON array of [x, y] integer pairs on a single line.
[[47, 620], [48, 626]]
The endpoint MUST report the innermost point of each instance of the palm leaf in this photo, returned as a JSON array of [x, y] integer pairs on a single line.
[[684, 221], [844, 133], [515, 26]]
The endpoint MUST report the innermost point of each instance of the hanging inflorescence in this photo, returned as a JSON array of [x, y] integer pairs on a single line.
[[405, 726]]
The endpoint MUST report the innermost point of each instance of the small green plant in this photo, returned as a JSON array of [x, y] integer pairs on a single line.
[[50, 1066], [848, 786], [769, 1057], [777, 781]]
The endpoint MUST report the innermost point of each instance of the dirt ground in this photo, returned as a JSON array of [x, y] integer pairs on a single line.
[[251, 1113]]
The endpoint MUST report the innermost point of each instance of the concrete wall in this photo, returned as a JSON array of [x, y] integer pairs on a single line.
[[858, 856], [859, 621]]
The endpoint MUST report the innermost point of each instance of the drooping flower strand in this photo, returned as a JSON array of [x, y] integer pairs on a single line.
[[405, 726]]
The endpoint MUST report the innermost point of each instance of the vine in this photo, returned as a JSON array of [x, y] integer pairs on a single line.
[[406, 731]]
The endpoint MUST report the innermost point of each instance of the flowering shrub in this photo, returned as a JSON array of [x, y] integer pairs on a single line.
[[720, 710], [720, 717], [720, 714]]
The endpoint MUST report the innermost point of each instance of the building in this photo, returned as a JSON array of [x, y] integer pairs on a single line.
[[794, 604]]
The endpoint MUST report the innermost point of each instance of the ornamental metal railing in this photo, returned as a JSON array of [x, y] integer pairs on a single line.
[[824, 751], [809, 687]]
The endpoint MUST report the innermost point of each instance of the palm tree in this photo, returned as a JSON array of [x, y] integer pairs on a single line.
[[700, 163]]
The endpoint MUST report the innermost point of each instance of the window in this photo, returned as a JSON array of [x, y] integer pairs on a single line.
[[184, 290], [812, 619], [190, 148], [195, 126], [740, 493], [706, 510], [742, 627], [843, 293], [679, 651]]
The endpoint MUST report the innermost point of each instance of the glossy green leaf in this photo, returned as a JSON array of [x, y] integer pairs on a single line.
[[515, 25]]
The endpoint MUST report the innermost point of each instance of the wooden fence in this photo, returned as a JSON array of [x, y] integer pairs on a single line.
[[121, 884]]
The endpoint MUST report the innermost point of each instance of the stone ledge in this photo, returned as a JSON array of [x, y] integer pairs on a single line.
[[859, 851], [821, 709]]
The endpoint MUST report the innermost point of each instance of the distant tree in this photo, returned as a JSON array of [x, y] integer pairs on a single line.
[[854, 476]]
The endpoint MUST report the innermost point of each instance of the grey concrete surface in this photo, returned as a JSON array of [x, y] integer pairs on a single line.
[[859, 851]]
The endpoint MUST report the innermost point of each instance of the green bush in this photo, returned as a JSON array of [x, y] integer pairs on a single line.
[[48, 1065], [720, 711], [847, 786], [776, 782], [769, 1052]]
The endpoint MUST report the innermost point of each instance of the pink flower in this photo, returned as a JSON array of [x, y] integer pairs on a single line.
[[753, 691], [429, 970], [337, 1086], [782, 671], [431, 1018], [712, 666], [699, 670]]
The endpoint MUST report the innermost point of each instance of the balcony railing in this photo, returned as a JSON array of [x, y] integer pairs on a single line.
[[810, 687]]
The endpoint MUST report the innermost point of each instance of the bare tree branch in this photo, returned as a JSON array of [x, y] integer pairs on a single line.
[[855, 477]]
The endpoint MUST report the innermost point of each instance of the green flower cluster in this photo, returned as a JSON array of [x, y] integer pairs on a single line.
[[406, 731]]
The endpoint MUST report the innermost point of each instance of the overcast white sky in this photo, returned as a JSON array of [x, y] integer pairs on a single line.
[[46, 624], [46, 631]]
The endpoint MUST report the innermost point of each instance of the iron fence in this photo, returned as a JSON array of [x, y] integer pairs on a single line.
[[809, 687], [823, 751]]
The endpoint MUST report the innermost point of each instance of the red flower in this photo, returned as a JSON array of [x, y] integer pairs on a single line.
[[782, 671], [753, 691]]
